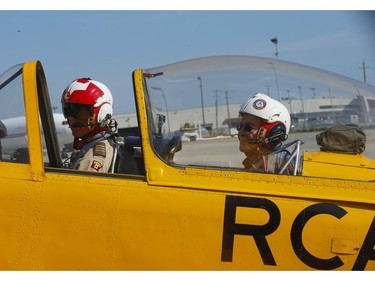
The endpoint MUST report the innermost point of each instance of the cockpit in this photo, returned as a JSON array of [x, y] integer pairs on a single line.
[[199, 101]]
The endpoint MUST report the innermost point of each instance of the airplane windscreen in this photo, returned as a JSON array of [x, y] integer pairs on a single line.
[[200, 100]]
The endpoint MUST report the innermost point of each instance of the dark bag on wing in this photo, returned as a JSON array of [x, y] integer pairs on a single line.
[[343, 139]]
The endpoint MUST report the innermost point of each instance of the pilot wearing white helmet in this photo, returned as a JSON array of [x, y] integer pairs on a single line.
[[87, 106], [264, 125]]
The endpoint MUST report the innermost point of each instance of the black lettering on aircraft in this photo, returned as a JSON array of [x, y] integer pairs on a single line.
[[367, 251], [296, 235], [259, 232]]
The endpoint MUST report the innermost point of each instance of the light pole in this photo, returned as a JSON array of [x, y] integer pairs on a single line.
[[200, 83], [275, 41], [216, 105], [364, 70], [277, 81], [290, 105], [313, 90], [268, 88], [229, 122], [290, 101], [303, 107]]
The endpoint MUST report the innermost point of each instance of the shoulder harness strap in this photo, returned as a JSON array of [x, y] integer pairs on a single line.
[[97, 138]]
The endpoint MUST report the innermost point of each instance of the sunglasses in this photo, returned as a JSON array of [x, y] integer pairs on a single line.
[[246, 127], [73, 109]]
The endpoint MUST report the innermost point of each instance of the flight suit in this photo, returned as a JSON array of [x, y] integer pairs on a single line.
[[97, 159]]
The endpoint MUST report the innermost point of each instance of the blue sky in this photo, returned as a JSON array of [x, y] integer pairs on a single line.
[[107, 45]]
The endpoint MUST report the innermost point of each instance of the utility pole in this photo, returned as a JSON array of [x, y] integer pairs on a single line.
[[303, 107], [217, 123], [364, 70], [229, 122], [201, 87], [290, 102], [277, 81], [313, 90]]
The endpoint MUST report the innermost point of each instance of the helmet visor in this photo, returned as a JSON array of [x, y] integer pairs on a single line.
[[73, 109]]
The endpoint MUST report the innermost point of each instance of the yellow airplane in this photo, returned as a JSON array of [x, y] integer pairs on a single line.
[[173, 205]]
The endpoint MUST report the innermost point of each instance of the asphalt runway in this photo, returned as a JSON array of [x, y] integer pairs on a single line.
[[224, 152]]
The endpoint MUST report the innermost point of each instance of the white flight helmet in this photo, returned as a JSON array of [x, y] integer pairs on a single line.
[[268, 109], [273, 113], [88, 92]]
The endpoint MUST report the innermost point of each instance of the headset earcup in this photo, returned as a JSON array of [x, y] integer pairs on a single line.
[[277, 134], [104, 110]]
